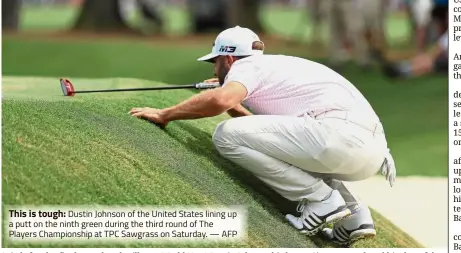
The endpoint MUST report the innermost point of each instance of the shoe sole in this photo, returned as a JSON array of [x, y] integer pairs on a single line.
[[357, 236], [329, 220]]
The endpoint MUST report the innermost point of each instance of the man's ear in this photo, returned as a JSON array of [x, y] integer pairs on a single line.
[[230, 60]]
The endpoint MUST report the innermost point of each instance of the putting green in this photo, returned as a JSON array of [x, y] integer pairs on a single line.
[[87, 150], [413, 112]]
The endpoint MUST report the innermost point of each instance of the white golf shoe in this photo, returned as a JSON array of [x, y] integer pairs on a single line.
[[316, 215], [357, 226]]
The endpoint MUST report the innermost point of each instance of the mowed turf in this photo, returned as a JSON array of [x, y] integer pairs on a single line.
[[88, 150], [413, 112]]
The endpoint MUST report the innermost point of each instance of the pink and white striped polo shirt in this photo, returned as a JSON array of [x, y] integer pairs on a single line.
[[287, 85]]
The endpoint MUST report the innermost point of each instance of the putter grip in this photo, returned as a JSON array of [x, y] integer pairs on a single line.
[[207, 85]]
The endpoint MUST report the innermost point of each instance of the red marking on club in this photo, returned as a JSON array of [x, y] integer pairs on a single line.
[[67, 87]]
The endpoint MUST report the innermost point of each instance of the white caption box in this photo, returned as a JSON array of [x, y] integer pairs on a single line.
[[140, 224]]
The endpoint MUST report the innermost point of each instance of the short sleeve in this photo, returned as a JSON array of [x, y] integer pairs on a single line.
[[245, 72]]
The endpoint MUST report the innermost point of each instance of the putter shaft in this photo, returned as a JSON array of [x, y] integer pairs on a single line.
[[68, 88], [140, 89]]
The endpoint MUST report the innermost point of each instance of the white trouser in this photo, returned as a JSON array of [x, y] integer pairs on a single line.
[[422, 12], [302, 157]]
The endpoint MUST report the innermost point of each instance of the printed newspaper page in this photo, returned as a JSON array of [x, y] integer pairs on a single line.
[[231, 126]]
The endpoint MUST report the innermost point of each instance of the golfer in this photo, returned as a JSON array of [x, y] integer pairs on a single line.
[[303, 130]]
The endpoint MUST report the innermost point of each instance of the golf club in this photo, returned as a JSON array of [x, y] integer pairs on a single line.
[[68, 88]]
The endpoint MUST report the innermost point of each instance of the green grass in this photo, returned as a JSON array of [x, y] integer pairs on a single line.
[[413, 112], [275, 19], [100, 59], [88, 150]]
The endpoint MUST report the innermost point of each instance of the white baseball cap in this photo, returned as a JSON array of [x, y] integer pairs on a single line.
[[235, 41]]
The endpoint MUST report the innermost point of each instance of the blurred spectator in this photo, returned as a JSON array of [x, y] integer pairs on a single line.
[[433, 61], [11, 10], [152, 19], [421, 13], [374, 14], [317, 14], [427, 19], [440, 15], [346, 26], [406, 5], [150, 10], [357, 27], [208, 15]]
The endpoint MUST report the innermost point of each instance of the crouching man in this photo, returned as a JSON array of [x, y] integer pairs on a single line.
[[309, 129]]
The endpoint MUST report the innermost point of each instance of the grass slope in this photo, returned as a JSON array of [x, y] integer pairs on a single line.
[[413, 112], [88, 150]]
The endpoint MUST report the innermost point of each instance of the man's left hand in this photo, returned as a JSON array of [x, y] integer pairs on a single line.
[[153, 115]]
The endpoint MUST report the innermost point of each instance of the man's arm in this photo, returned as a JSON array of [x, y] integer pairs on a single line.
[[239, 111], [207, 104]]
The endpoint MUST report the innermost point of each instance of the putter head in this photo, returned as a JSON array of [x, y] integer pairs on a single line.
[[67, 87]]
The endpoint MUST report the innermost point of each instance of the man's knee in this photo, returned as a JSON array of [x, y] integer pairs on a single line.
[[223, 134], [219, 135]]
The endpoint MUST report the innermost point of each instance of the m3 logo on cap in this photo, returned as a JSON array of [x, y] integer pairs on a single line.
[[227, 49]]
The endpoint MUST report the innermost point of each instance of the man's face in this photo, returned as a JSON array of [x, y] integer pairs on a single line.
[[222, 66]]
